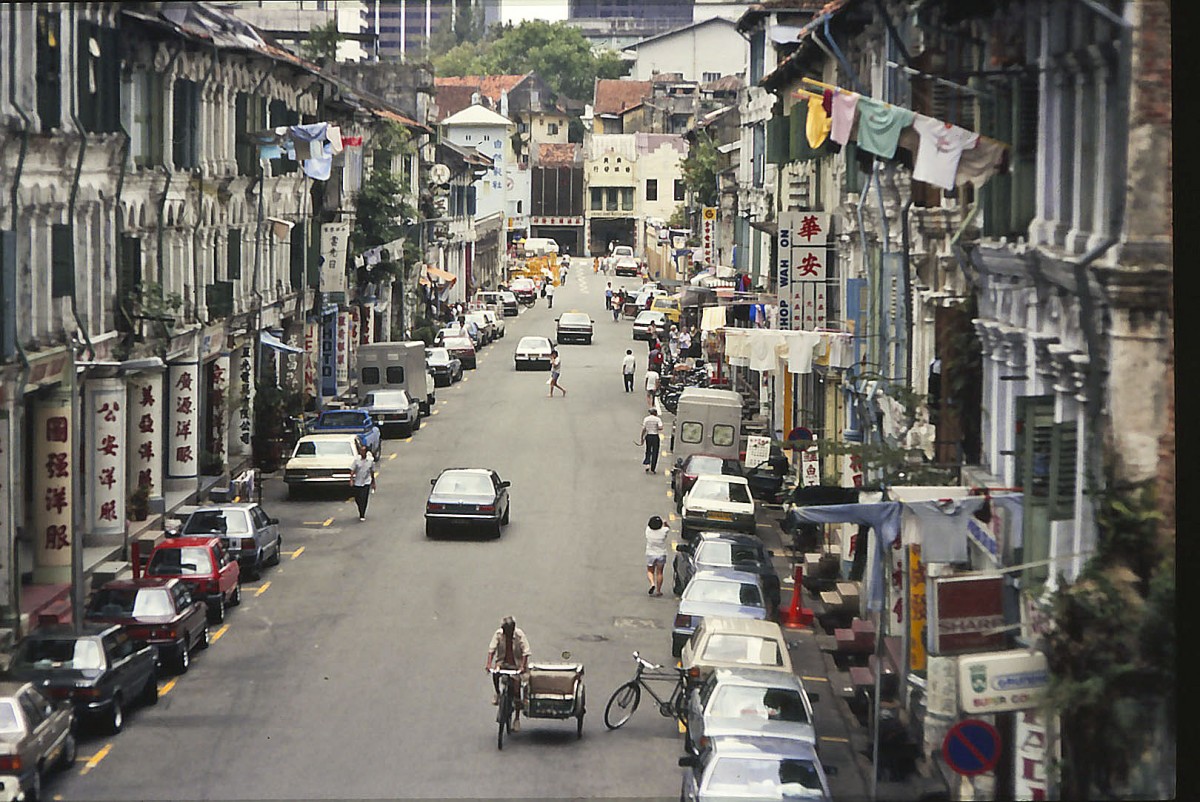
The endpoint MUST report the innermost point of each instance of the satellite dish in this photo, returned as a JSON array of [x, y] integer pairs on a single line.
[[439, 174]]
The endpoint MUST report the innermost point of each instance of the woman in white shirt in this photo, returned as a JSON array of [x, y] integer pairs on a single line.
[[657, 535]]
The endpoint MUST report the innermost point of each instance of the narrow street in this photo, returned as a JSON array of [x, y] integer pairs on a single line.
[[355, 668]]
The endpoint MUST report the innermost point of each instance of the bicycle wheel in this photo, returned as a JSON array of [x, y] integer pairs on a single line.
[[680, 703], [621, 704], [503, 717]]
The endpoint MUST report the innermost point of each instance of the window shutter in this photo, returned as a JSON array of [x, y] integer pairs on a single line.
[[797, 143], [62, 260], [233, 264], [778, 137], [298, 254], [1063, 469], [220, 299]]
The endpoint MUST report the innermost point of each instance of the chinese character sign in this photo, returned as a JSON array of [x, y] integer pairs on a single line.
[[808, 267], [243, 413], [916, 609], [342, 367], [329, 330], [182, 440], [144, 426], [104, 418], [51, 495], [708, 233], [335, 238], [218, 393], [368, 325]]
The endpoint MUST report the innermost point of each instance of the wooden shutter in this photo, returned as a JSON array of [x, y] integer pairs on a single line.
[[778, 139], [1063, 471]]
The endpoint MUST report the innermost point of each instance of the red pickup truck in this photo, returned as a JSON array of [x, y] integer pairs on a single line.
[[203, 563]]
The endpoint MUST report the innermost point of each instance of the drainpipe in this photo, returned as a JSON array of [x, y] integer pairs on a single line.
[[837, 52], [196, 231], [169, 165], [906, 277], [885, 363], [74, 195]]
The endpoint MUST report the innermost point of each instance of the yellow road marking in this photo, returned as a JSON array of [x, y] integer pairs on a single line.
[[327, 522], [682, 728], [670, 516], [393, 456], [668, 494], [406, 440], [95, 759], [312, 523], [263, 589], [815, 679], [835, 739], [216, 636], [297, 552], [166, 687], [436, 411]]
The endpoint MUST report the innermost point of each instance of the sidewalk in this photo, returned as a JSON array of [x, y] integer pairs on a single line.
[[844, 743]]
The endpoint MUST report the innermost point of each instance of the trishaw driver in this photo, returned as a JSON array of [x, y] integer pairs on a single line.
[[509, 649]]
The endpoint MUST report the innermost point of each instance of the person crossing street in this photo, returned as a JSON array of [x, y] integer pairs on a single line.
[[652, 427]]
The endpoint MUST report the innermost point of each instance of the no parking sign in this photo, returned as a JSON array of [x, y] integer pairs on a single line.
[[971, 747]]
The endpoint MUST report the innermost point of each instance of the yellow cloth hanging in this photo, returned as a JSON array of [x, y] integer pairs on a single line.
[[818, 124]]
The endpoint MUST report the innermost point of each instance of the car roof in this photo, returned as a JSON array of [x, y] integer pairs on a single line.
[[387, 391], [487, 471], [89, 629], [328, 437], [743, 626], [534, 337], [725, 575], [577, 313], [757, 677], [345, 409], [723, 477], [763, 746], [187, 540], [232, 505], [726, 536], [140, 582]]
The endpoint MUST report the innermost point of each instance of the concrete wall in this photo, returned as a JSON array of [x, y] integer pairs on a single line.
[[712, 48]]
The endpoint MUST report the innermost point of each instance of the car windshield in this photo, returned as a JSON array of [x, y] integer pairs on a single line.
[[703, 464], [534, 343], [464, 484], [575, 318], [180, 561], [216, 522], [716, 490], [508, 296], [718, 553], [744, 649], [437, 355], [324, 448], [459, 342], [764, 778], [8, 716], [718, 591], [342, 419], [131, 602], [60, 653], [622, 250], [649, 317], [387, 398], [765, 704]]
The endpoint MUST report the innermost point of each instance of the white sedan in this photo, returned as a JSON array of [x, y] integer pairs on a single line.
[[718, 501], [532, 351], [321, 460]]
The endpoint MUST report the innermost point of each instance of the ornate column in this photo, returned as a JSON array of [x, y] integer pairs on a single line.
[[104, 419], [183, 442], [144, 420], [1015, 360]]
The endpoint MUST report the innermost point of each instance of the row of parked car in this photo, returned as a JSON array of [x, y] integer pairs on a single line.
[[135, 629]]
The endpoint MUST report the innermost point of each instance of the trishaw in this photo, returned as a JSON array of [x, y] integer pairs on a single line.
[[551, 690]]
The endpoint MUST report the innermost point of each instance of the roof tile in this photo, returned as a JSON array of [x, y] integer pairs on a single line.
[[614, 96]]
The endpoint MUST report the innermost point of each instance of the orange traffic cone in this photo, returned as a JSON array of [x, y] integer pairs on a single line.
[[796, 616]]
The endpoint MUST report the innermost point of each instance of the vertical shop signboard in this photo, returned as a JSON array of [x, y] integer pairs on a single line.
[[51, 497], [244, 414], [916, 610], [328, 355], [218, 394], [708, 234], [367, 329], [1031, 740], [312, 353], [335, 238], [808, 266], [342, 369], [105, 410], [143, 457], [182, 422], [788, 315]]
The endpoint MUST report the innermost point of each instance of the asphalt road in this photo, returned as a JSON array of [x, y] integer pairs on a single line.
[[355, 669]]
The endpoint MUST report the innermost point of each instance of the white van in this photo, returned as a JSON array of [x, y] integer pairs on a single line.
[[539, 246], [707, 421], [396, 366]]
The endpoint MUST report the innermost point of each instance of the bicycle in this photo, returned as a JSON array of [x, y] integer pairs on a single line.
[[625, 699], [505, 705]]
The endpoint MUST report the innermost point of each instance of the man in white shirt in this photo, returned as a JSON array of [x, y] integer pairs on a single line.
[[549, 294], [651, 385], [362, 477], [652, 427], [628, 366]]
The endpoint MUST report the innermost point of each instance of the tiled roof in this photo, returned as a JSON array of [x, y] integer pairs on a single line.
[[454, 91], [614, 96], [556, 155], [726, 83]]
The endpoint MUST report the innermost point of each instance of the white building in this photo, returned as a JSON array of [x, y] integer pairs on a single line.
[[505, 188], [703, 51], [289, 21]]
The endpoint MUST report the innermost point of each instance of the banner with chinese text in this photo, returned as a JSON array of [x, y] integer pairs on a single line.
[[105, 412], [183, 421]]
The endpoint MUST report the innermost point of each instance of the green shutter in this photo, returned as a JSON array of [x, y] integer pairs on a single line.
[[233, 265], [778, 135], [1063, 468], [62, 260], [299, 251], [799, 149], [220, 299]]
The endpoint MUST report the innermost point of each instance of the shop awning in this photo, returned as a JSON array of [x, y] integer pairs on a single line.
[[435, 275], [271, 341], [883, 517]]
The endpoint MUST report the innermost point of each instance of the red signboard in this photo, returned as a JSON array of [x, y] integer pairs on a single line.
[[967, 611]]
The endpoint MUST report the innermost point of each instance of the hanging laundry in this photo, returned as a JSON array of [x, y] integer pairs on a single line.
[[713, 318], [800, 346], [310, 139], [799, 148], [976, 165], [942, 527], [827, 101], [267, 152], [841, 350], [818, 124], [334, 134], [845, 105], [737, 346], [764, 349], [942, 144], [879, 126], [318, 169]]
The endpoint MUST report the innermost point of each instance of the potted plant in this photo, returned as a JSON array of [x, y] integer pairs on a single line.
[[137, 506]]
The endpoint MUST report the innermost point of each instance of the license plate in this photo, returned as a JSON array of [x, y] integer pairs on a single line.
[[720, 516]]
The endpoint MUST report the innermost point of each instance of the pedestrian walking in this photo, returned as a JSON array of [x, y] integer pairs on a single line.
[[685, 342], [651, 385], [657, 534], [618, 300], [673, 343], [549, 294], [652, 427], [562, 274], [628, 366], [608, 296], [555, 372], [362, 477]]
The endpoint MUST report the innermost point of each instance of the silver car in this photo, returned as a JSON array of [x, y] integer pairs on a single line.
[[36, 735], [752, 769], [719, 591], [392, 410], [748, 701], [248, 534]]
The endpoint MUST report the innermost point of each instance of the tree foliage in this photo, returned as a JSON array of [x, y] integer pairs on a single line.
[[700, 170], [468, 27], [379, 218], [556, 51], [322, 43]]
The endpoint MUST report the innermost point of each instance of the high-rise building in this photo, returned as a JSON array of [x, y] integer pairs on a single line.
[[290, 21], [619, 23], [404, 26]]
